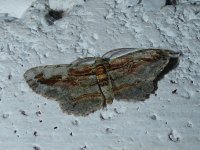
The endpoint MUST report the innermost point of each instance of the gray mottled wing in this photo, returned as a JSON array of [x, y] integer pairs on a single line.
[[74, 87], [135, 75]]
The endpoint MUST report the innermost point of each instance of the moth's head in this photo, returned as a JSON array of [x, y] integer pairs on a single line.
[[99, 60], [171, 54]]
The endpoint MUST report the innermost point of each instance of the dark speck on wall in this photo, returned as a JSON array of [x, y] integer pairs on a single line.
[[174, 91], [171, 2], [36, 148], [23, 113], [53, 15]]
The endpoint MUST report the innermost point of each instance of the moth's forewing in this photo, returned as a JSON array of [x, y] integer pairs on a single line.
[[42, 79], [74, 87], [134, 75]]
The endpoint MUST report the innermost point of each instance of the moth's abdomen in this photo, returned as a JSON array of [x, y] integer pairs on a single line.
[[104, 84]]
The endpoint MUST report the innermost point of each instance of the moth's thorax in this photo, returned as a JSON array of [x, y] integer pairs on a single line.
[[101, 71], [101, 75]]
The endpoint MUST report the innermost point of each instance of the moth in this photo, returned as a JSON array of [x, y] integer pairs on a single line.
[[91, 83]]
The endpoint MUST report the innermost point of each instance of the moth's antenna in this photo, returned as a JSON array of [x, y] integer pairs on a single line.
[[118, 52], [83, 60], [93, 53]]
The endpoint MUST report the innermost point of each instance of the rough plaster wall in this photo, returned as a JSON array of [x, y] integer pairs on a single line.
[[167, 120]]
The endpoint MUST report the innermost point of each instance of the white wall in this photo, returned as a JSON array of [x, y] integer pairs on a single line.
[[166, 121]]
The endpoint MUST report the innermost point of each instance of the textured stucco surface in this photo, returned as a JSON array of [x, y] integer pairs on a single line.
[[167, 120]]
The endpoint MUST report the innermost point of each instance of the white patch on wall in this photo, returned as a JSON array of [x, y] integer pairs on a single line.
[[13, 8], [152, 5], [64, 4]]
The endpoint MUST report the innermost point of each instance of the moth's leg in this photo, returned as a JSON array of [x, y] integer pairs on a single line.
[[118, 52]]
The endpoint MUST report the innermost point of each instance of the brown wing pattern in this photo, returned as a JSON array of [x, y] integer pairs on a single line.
[[134, 76], [75, 88]]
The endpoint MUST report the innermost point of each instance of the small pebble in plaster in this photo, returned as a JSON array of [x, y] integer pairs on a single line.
[[95, 36], [55, 127], [83, 148], [109, 130], [53, 15], [36, 148], [38, 113], [40, 121], [46, 55], [189, 124], [75, 123], [15, 94], [186, 94], [109, 15], [106, 115], [5, 115], [173, 136], [134, 74], [119, 110], [23, 112], [153, 117]]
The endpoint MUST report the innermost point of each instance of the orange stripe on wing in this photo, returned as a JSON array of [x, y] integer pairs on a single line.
[[84, 71], [86, 97], [125, 86]]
